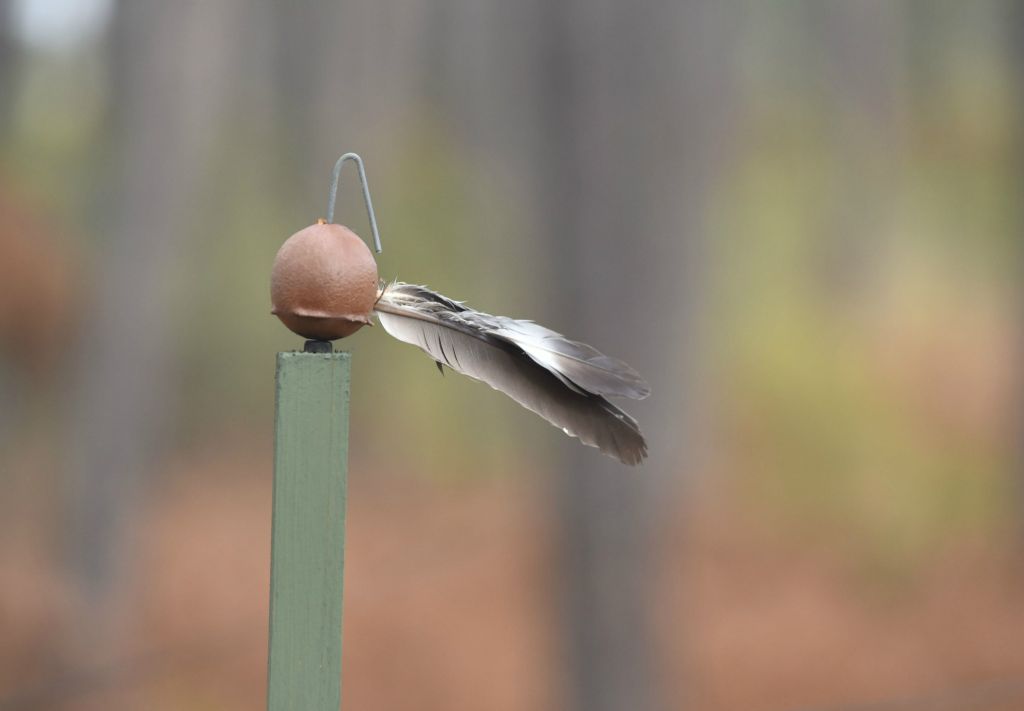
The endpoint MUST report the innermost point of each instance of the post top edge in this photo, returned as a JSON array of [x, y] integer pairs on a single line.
[[336, 355]]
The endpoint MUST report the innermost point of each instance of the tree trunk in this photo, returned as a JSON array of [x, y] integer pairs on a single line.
[[1015, 20], [634, 110], [9, 63], [166, 63], [863, 71]]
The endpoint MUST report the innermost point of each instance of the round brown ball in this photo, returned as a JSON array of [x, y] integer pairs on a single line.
[[324, 282]]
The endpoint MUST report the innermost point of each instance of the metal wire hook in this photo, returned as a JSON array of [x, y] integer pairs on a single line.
[[366, 195]]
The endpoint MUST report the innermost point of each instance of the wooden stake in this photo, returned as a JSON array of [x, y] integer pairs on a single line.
[[308, 531]]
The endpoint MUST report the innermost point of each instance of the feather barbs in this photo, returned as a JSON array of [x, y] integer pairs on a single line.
[[563, 381]]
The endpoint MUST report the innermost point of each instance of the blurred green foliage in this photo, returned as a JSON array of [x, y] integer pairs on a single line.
[[864, 374], [872, 396]]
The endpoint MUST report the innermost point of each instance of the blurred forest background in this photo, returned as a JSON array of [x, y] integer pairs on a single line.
[[800, 220]]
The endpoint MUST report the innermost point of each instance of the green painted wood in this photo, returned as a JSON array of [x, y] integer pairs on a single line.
[[308, 532]]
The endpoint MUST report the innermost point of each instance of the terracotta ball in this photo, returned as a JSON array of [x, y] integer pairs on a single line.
[[323, 284]]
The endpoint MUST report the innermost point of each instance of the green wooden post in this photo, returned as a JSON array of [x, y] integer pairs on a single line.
[[308, 531]]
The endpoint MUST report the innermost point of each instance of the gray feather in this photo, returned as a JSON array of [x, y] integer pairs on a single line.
[[561, 380], [582, 365]]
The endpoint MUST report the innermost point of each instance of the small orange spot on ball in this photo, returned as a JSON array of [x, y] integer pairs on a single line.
[[323, 284]]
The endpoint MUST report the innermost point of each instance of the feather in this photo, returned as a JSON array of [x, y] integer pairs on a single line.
[[563, 381]]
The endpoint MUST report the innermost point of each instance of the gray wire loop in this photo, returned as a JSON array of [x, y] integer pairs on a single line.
[[366, 195]]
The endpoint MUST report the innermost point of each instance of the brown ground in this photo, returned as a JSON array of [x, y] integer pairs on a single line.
[[447, 607]]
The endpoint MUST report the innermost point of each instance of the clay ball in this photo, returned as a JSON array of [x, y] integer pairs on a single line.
[[324, 282]]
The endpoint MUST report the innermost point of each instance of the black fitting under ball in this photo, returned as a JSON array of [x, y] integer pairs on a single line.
[[318, 347]]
